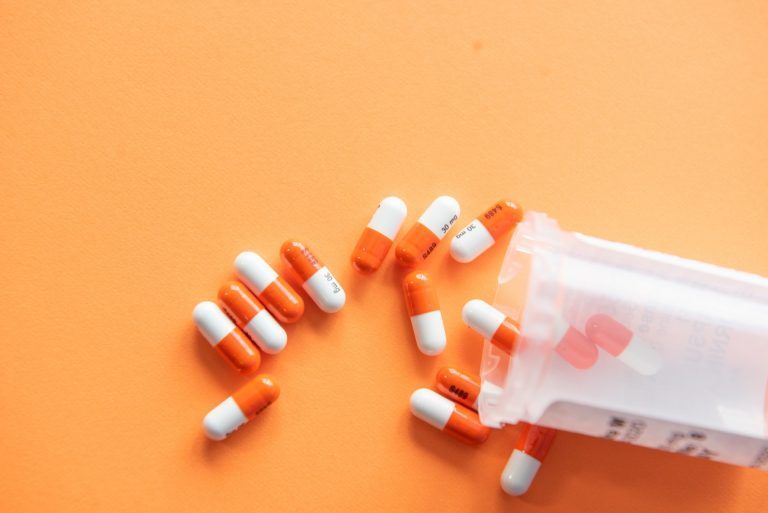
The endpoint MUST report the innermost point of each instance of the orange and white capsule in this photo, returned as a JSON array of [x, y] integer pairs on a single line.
[[459, 386], [430, 229], [251, 317], [424, 310], [484, 231], [491, 324], [271, 289], [621, 343], [317, 280], [231, 343], [532, 446], [445, 415], [240, 407], [378, 236]]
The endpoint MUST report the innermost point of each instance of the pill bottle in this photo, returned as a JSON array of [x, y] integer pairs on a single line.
[[705, 396]]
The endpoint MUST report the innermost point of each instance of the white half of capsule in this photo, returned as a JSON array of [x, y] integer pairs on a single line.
[[223, 419], [519, 472], [254, 271], [429, 330], [389, 217], [266, 332], [471, 242], [482, 317], [440, 215], [431, 407], [325, 290], [640, 356], [212, 322]]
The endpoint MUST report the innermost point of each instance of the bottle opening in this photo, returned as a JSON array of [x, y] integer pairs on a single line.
[[528, 293]]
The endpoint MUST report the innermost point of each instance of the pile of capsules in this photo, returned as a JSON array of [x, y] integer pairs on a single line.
[[253, 306], [256, 303]]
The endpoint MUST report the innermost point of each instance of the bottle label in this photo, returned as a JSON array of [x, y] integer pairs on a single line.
[[656, 434]]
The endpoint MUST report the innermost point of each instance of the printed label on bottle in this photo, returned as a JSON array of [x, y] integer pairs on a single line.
[[656, 434]]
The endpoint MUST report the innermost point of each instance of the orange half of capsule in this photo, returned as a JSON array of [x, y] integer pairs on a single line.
[[459, 386], [239, 302], [370, 251], [256, 395], [501, 218], [300, 258], [465, 425], [420, 294], [239, 351], [506, 335], [282, 301], [416, 246], [535, 440]]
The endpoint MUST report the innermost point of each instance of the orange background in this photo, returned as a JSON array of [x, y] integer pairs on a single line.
[[145, 144]]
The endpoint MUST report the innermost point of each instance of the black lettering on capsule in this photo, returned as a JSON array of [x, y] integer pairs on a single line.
[[492, 212], [459, 392], [429, 250], [448, 225]]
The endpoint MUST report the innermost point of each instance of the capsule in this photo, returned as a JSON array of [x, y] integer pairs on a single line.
[[271, 289], [459, 386], [240, 407], [317, 280], [430, 229], [491, 324], [424, 310], [251, 317], [447, 416], [619, 341], [573, 347], [378, 236], [484, 231], [532, 446], [231, 343]]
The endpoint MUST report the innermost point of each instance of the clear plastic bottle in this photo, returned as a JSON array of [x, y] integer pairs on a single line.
[[704, 327]]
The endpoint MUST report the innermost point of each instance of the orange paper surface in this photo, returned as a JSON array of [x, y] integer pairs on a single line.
[[144, 144]]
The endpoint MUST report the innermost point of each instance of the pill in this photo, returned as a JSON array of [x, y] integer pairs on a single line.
[[428, 231], [271, 289], [619, 341], [531, 448], [251, 317], [574, 347], [424, 310], [317, 280], [459, 386], [377, 237], [240, 407], [492, 324], [231, 343], [484, 231], [449, 417]]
